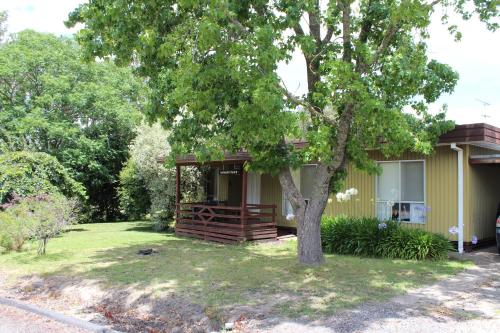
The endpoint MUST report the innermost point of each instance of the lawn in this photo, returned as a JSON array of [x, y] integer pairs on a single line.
[[221, 276]]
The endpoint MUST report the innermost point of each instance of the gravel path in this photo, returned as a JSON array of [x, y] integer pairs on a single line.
[[13, 320], [469, 302]]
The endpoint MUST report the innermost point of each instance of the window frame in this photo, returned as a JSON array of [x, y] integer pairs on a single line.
[[424, 202]]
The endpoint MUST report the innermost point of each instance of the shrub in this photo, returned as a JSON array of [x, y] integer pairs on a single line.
[[29, 174], [413, 244], [39, 217], [14, 228], [51, 215], [369, 237]]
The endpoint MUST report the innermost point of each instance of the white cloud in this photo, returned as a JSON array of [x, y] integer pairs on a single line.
[[40, 15]]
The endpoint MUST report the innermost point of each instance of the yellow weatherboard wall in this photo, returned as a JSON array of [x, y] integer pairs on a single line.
[[481, 193], [440, 191]]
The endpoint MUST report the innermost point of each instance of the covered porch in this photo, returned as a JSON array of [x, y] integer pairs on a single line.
[[231, 210]]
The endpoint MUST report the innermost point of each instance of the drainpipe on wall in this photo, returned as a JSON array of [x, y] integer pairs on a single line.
[[460, 173]]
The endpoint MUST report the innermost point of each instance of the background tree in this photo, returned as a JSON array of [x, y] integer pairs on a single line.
[[83, 114], [148, 186], [212, 65], [24, 174]]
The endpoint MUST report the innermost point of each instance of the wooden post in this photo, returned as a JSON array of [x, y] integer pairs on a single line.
[[244, 181], [177, 191]]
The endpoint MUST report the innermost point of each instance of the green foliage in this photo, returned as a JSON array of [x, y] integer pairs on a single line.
[[29, 173], [146, 179], [14, 228], [212, 69], [212, 65], [50, 215], [83, 114], [369, 237], [413, 244], [40, 218], [134, 196]]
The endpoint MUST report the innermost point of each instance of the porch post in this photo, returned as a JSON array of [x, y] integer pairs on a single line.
[[244, 181], [177, 190]]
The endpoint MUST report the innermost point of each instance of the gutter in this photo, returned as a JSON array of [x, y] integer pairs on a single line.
[[460, 174]]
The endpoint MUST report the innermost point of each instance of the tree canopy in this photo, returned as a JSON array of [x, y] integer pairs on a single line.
[[212, 68], [81, 113], [29, 174]]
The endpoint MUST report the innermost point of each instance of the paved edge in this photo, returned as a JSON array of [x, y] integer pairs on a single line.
[[56, 316]]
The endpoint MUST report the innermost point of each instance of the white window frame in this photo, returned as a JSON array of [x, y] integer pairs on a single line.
[[377, 201]]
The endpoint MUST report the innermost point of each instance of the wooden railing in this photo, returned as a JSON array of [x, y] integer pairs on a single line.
[[254, 221]]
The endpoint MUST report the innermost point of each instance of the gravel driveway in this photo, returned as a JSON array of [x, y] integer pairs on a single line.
[[468, 302], [13, 320]]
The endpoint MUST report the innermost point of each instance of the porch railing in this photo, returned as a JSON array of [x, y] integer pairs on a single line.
[[253, 221]]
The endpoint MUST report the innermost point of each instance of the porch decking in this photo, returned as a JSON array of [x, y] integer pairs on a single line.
[[226, 224]]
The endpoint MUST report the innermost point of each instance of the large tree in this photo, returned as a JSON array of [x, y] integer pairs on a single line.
[[212, 67], [83, 114]]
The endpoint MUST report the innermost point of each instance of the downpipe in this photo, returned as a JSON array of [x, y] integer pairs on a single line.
[[460, 180]]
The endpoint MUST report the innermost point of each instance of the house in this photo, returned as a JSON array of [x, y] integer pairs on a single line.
[[455, 192]]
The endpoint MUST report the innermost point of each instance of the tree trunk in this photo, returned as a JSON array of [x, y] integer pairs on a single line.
[[308, 215], [309, 237]]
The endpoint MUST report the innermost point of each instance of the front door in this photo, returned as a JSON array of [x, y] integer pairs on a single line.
[[234, 190]]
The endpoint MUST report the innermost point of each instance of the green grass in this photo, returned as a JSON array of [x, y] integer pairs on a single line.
[[220, 276]]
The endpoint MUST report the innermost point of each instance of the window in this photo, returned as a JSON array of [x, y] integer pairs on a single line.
[[304, 179], [307, 174], [400, 191]]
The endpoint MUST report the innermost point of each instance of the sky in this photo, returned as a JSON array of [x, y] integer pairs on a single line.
[[476, 58]]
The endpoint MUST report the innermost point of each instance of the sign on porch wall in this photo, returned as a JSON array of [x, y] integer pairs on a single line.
[[229, 172]]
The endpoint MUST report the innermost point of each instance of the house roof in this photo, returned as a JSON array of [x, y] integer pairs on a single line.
[[472, 133], [478, 134]]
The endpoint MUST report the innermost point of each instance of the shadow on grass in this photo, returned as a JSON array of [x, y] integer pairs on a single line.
[[74, 230], [225, 276], [221, 281], [147, 227]]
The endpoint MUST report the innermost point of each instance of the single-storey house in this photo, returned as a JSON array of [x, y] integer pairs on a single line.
[[455, 192]]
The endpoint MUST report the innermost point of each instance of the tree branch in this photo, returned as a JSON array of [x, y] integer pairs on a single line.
[[314, 23], [386, 40], [292, 193], [388, 36], [314, 112], [298, 30], [366, 25], [345, 5], [343, 130]]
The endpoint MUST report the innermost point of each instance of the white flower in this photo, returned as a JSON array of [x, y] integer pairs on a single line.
[[290, 217], [453, 230], [341, 197], [474, 239], [352, 191], [382, 226]]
